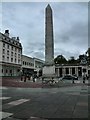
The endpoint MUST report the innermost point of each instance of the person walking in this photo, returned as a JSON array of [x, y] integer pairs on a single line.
[[84, 77]]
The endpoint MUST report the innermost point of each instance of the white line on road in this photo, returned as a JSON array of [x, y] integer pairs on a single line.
[[5, 115], [4, 98], [17, 102], [3, 87]]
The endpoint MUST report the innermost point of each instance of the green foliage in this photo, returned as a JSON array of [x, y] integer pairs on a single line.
[[60, 59], [72, 60], [88, 55]]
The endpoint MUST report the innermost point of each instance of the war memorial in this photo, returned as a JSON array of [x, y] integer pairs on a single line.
[[36, 103], [50, 69]]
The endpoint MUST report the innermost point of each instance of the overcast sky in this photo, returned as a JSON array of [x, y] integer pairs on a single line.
[[27, 20]]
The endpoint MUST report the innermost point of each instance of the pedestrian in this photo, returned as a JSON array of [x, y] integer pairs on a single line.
[[73, 81], [25, 78], [83, 78], [33, 79], [21, 77]]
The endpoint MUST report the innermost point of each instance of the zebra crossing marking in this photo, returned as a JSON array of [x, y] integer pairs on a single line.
[[17, 102], [5, 115], [3, 88], [4, 98]]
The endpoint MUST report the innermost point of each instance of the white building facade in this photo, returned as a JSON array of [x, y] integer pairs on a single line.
[[31, 65], [10, 55], [79, 70]]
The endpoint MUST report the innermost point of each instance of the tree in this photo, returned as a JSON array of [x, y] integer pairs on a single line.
[[72, 60], [88, 55], [60, 59]]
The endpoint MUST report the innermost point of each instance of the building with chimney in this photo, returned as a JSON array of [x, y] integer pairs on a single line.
[[10, 55]]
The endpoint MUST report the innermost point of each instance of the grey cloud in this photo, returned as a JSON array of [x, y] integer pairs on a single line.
[[67, 54], [27, 20]]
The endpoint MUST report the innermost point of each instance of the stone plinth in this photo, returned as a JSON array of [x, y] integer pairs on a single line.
[[49, 70]]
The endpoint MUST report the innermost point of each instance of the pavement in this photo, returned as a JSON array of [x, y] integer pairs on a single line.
[[70, 101], [8, 82]]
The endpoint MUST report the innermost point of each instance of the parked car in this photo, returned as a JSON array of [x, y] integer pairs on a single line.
[[75, 77], [70, 77]]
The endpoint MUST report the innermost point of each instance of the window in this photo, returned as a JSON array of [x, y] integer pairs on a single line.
[[3, 44], [23, 62], [15, 60], [3, 57], [7, 52], [18, 60], [6, 71], [3, 51], [11, 59], [7, 58], [18, 70], [15, 54], [7, 46], [10, 71], [19, 50], [15, 49], [12, 47], [18, 55], [11, 53], [2, 70]]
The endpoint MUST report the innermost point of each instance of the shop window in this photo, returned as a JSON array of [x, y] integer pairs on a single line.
[[10, 71], [18, 70], [2, 70], [6, 71]]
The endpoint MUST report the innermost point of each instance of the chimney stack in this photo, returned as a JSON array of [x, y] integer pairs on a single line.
[[18, 39], [7, 33]]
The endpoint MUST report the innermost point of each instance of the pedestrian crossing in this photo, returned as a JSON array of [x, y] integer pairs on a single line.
[[12, 103], [18, 102], [5, 115], [4, 98]]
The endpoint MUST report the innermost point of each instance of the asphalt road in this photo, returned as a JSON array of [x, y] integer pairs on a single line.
[[45, 103]]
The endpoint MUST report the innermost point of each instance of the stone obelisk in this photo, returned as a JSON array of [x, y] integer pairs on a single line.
[[49, 42], [49, 67]]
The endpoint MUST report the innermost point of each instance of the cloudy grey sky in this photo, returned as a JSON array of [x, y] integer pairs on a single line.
[[27, 20]]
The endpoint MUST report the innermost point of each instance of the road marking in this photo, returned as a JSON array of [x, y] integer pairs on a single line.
[[3, 87], [4, 98], [17, 102], [5, 115]]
